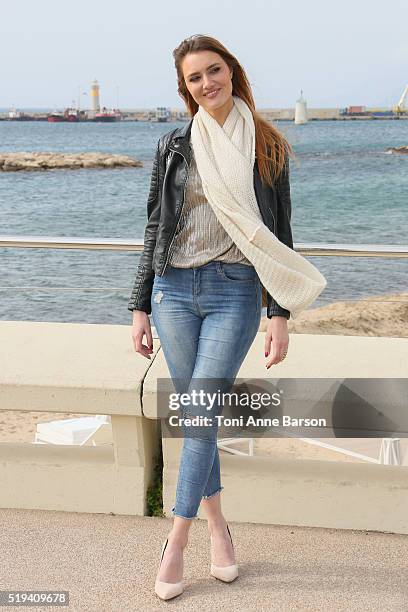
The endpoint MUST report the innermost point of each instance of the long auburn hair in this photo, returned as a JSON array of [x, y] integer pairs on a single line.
[[270, 145]]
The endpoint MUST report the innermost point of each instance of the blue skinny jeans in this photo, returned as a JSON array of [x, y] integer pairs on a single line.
[[206, 319]]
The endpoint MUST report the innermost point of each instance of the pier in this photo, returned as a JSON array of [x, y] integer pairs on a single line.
[[270, 114]]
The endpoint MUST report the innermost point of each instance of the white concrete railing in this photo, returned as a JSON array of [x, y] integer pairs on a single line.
[[92, 369], [84, 369], [305, 491]]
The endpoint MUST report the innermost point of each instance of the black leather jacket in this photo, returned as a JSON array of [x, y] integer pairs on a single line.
[[164, 205]]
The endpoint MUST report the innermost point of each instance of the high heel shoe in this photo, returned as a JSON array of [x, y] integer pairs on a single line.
[[226, 573], [167, 590]]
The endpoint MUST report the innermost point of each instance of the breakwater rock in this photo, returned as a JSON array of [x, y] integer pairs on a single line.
[[402, 150], [11, 162]]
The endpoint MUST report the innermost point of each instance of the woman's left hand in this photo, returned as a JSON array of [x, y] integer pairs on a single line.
[[277, 334]]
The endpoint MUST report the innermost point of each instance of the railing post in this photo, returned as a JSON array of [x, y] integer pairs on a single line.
[[390, 451], [134, 444]]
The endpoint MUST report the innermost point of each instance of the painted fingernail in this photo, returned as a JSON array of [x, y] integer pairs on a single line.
[[266, 353]]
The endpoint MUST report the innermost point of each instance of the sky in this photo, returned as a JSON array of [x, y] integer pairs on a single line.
[[339, 53]]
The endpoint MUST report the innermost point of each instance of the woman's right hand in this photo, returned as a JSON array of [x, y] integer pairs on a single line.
[[141, 327]]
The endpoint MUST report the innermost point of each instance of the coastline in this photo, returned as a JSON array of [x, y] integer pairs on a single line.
[[378, 315]]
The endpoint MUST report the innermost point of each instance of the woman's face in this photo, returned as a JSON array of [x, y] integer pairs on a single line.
[[208, 79]]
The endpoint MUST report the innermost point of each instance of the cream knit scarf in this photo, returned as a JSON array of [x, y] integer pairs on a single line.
[[225, 158]]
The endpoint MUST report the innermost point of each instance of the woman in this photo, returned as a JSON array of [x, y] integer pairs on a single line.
[[204, 294]]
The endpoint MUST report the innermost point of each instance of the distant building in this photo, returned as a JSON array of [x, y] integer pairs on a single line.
[[162, 113], [301, 110], [96, 107]]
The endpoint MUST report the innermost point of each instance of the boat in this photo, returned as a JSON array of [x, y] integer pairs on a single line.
[[56, 117], [16, 115], [108, 115], [71, 115]]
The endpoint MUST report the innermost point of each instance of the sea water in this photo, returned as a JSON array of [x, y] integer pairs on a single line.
[[345, 189]]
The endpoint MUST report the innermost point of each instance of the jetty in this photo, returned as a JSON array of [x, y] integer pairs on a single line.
[[13, 162], [401, 150]]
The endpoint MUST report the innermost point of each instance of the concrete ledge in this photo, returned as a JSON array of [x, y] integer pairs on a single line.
[[92, 369], [303, 493], [309, 356], [110, 478], [70, 367], [69, 478], [82, 369]]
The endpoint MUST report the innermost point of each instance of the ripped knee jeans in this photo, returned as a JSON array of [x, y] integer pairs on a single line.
[[206, 319]]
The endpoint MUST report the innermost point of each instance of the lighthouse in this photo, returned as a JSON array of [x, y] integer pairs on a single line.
[[95, 97], [300, 110]]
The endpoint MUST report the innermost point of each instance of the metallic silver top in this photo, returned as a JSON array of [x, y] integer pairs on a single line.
[[200, 237]]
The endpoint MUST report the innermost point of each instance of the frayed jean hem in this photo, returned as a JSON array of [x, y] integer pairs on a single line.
[[212, 494], [181, 516]]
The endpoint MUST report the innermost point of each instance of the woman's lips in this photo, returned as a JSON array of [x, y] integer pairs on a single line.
[[212, 95]]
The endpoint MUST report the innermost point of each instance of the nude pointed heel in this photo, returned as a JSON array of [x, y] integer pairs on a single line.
[[167, 590], [228, 573]]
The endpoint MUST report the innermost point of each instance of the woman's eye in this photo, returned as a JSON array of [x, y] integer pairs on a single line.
[[213, 70]]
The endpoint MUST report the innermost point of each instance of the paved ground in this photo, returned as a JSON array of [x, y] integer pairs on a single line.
[[109, 563]]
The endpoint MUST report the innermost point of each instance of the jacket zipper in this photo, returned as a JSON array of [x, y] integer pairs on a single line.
[[273, 217], [181, 210]]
